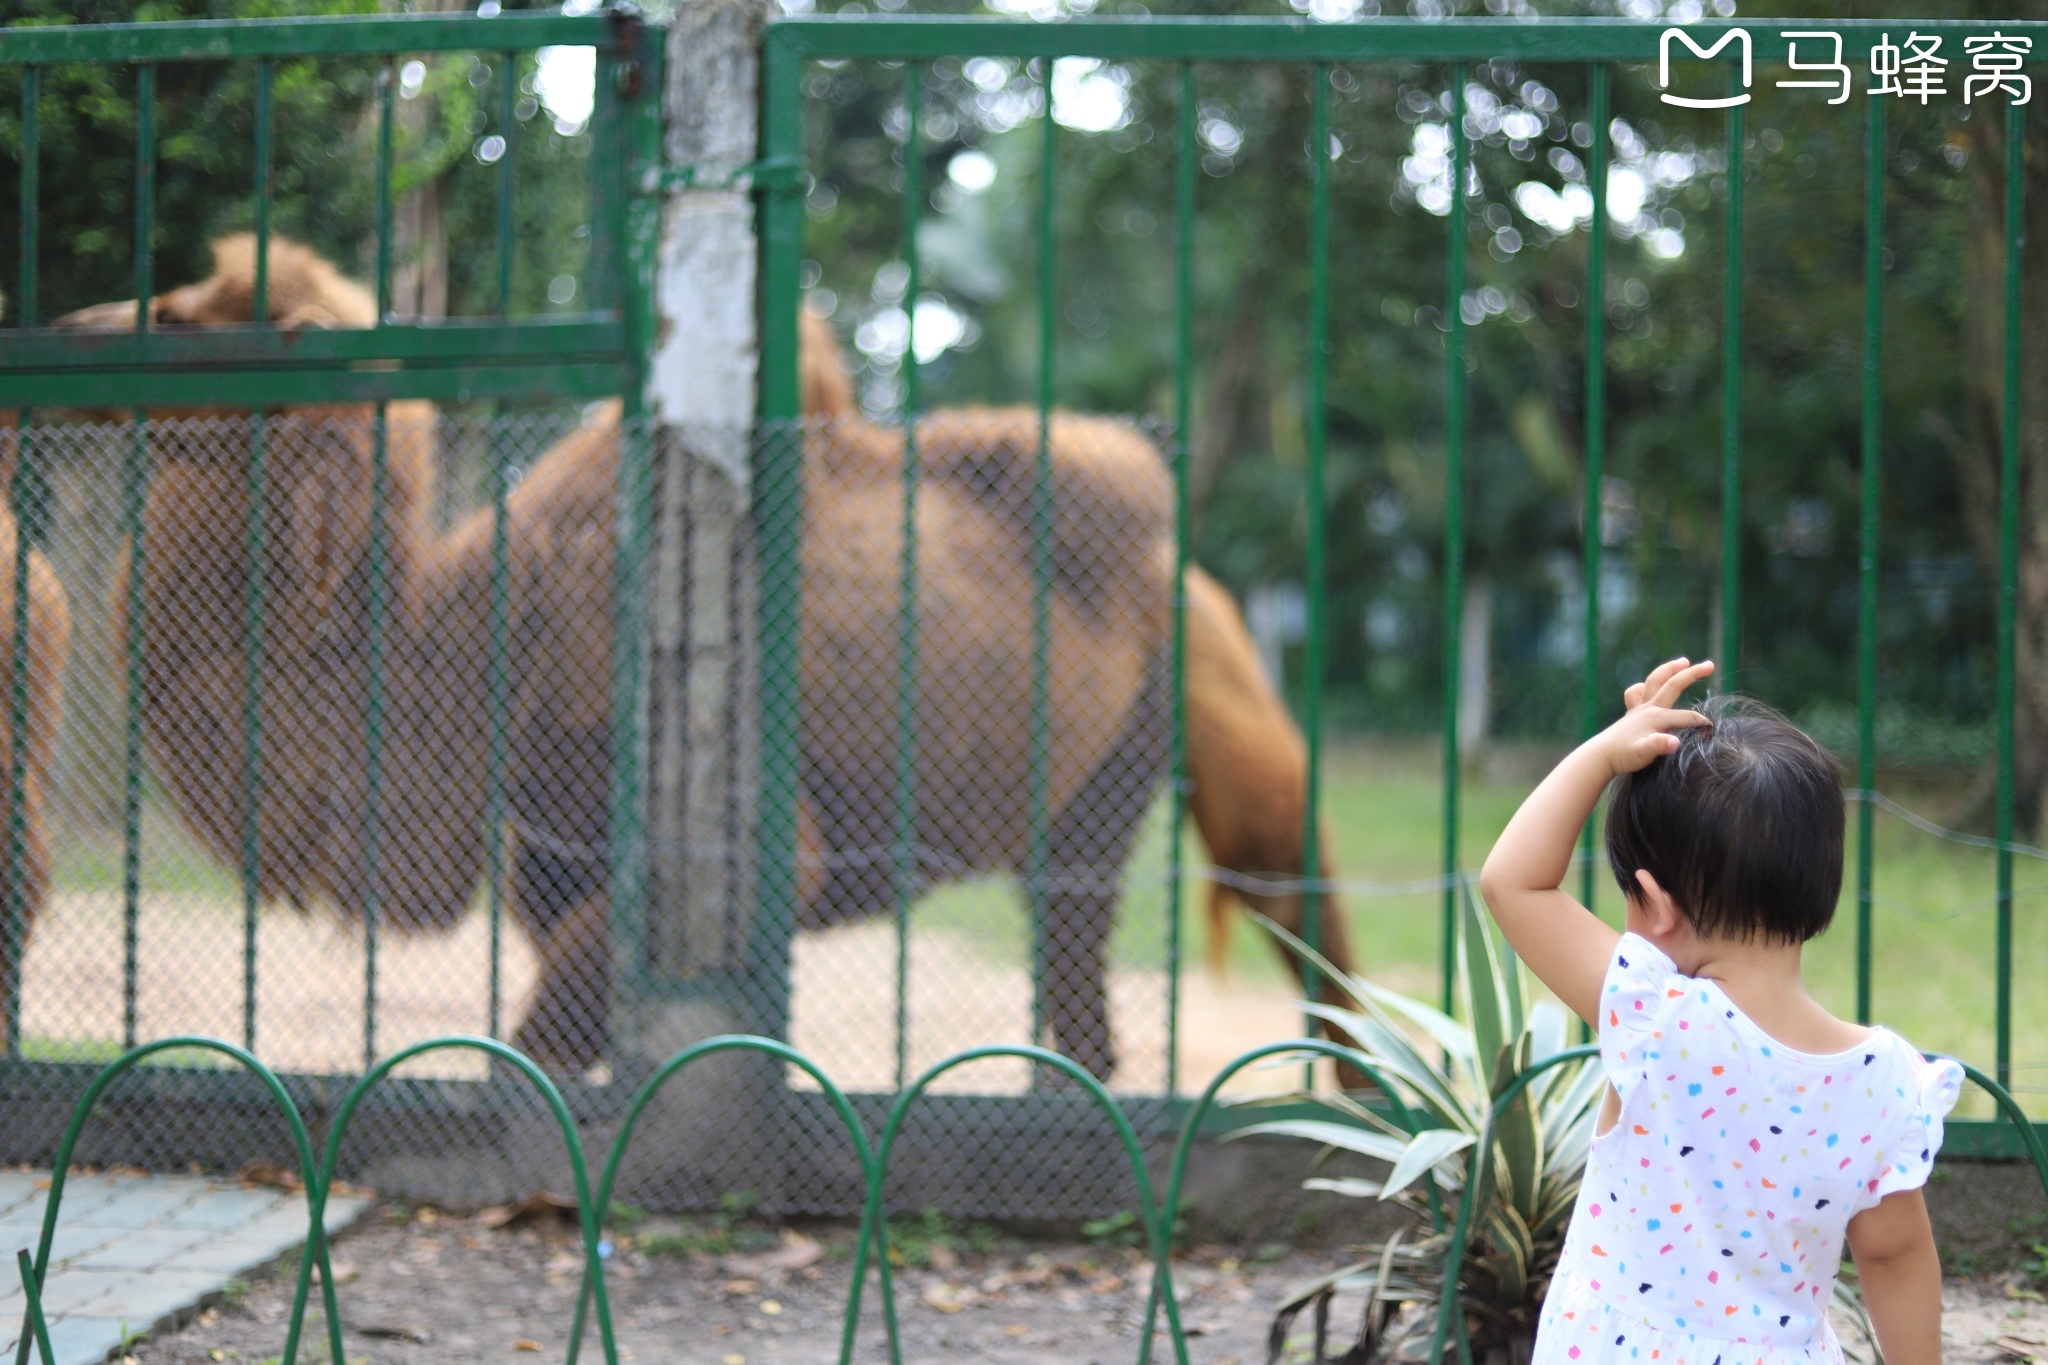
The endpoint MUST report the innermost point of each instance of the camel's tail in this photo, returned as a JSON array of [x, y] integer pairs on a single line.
[[1285, 909], [1221, 900]]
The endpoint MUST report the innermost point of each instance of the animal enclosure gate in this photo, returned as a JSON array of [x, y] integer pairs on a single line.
[[384, 675]]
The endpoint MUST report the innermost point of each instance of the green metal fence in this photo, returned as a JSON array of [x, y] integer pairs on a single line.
[[311, 621], [437, 636], [1600, 47], [1157, 1216]]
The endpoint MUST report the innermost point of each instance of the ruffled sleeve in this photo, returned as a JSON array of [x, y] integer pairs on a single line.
[[1924, 1093], [1640, 987]]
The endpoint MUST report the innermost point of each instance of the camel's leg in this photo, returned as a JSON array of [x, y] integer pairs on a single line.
[[569, 1024], [560, 895], [1088, 846]]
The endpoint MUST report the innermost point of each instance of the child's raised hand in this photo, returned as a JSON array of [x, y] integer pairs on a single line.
[[1644, 734]]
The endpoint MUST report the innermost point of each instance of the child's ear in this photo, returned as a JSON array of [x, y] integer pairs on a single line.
[[1662, 911]]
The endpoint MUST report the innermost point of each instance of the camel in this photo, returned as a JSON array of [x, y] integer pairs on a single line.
[[1107, 622]]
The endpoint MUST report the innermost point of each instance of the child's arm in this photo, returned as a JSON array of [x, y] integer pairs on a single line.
[[1901, 1277], [1563, 943]]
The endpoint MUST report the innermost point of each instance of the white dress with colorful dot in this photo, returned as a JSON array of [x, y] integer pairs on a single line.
[[1709, 1228]]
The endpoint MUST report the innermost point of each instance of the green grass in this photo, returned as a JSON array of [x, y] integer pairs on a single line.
[[1934, 920]]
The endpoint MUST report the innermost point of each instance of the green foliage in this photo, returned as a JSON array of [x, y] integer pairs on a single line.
[[1527, 312], [1449, 1073], [732, 1229], [324, 193], [913, 1240]]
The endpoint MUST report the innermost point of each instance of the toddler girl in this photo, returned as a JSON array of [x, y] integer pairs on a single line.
[[1746, 1132]]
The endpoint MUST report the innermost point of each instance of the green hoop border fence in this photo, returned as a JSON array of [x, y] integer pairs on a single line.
[[1600, 44], [1156, 1214], [604, 353]]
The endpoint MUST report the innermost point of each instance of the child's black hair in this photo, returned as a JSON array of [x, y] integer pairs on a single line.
[[1742, 826]]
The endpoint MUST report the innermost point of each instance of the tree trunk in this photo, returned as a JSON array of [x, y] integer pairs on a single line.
[[1977, 449]]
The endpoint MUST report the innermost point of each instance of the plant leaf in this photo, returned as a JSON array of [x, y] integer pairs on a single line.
[[1349, 1186], [1521, 1140], [1343, 1135], [1424, 1153], [1483, 1004], [1549, 1025]]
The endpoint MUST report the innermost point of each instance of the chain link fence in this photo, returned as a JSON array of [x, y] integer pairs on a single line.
[[376, 726]]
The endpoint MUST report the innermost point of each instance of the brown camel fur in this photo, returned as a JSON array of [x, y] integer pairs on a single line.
[[1247, 775], [317, 597], [49, 644], [1107, 620]]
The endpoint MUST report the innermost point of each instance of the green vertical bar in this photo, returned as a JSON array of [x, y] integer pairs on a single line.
[[627, 863], [498, 700], [31, 192], [260, 305], [778, 523], [1315, 424], [14, 932], [2008, 562], [136, 480], [145, 193], [1731, 408], [16, 943], [373, 724], [904, 843], [1183, 406], [497, 668], [1041, 567], [385, 82], [634, 227], [134, 495], [1454, 525], [373, 717], [252, 663], [1596, 444], [1866, 606], [252, 725], [508, 128]]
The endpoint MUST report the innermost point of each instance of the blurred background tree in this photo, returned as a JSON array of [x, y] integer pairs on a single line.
[[1528, 208]]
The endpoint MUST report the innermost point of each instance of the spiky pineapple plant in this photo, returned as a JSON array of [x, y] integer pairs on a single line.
[[1448, 1072]]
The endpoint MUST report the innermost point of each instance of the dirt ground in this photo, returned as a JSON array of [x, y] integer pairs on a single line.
[[310, 996], [421, 1287]]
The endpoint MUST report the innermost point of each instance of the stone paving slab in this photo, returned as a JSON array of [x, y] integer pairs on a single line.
[[135, 1251]]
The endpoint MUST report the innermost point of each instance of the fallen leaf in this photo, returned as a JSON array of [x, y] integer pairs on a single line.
[[540, 1206], [943, 1257], [735, 1359], [216, 1354], [740, 1286], [1017, 1329], [771, 1307], [344, 1272], [2021, 1347], [526, 1344], [1107, 1284], [396, 1331], [946, 1298], [795, 1253], [273, 1175]]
